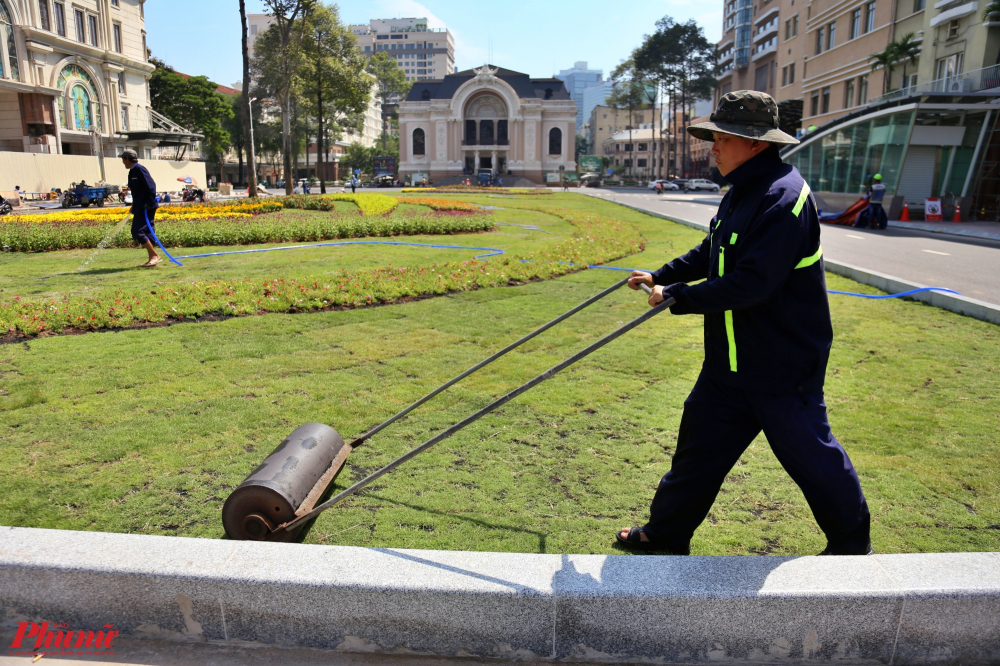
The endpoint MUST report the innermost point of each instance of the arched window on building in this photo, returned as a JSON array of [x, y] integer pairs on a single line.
[[418, 142], [555, 141], [7, 33]]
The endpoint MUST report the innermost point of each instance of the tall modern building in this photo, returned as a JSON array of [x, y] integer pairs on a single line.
[[422, 53], [595, 95], [577, 80]]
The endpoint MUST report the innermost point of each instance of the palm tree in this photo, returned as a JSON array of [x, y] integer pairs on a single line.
[[885, 60], [907, 51]]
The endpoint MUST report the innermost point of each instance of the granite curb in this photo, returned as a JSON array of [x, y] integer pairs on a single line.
[[955, 230], [964, 305], [886, 609]]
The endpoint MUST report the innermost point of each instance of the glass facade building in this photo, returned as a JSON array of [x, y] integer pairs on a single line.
[[921, 151], [577, 80]]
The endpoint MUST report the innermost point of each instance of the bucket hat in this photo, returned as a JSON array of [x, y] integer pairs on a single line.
[[748, 114]]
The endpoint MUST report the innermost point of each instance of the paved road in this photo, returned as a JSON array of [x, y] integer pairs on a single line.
[[968, 265]]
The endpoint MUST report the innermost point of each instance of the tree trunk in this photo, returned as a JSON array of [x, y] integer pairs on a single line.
[[320, 152], [239, 161], [245, 107], [286, 139]]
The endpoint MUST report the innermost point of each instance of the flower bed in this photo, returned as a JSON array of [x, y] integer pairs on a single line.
[[94, 215], [597, 239], [442, 204], [293, 226], [368, 204]]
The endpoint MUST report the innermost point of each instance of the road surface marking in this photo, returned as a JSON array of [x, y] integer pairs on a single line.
[[936, 252], [852, 236]]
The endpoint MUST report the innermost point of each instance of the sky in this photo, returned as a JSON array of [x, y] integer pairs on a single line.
[[202, 37]]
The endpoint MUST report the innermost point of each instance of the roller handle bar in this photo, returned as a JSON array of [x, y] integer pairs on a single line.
[[481, 413], [392, 419]]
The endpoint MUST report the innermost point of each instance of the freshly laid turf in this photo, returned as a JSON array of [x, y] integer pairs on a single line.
[[147, 431]]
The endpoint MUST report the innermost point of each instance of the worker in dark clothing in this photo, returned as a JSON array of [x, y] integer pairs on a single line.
[[767, 341], [143, 190]]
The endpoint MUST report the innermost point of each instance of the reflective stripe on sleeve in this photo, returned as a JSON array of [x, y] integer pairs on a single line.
[[809, 261], [803, 195]]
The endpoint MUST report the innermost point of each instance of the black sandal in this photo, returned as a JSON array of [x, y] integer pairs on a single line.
[[634, 540]]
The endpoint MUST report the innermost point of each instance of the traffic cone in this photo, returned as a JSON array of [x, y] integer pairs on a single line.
[[905, 215], [958, 213]]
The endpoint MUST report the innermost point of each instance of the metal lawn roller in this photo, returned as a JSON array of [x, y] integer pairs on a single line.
[[282, 494]]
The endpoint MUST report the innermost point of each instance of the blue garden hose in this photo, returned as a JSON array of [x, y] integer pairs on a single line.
[[153, 231]]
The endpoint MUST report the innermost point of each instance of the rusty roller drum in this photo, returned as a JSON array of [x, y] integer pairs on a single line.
[[286, 485]]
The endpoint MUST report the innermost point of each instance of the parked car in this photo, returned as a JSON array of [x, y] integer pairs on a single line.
[[701, 184], [681, 183], [667, 184]]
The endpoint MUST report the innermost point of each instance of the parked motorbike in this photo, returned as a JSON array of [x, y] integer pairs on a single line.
[[5, 207]]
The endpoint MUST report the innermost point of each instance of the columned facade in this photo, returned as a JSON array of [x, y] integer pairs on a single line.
[[486, 120]]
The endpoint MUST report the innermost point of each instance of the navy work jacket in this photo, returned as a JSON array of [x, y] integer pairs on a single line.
[[767, 317], [143, 189]]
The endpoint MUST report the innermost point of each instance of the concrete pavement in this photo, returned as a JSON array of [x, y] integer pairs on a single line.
[[967, 264]]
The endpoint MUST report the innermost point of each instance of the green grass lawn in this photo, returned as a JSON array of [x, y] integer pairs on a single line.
[[147, 431]]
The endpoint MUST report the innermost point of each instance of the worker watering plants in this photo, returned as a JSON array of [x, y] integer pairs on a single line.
[[767, 341], [143, 190]]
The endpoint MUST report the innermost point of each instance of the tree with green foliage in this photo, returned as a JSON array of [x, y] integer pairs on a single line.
[[334, 82], [278, 59], [358, 157], [886, 61], [907, 52], [391, 81], [683, 62], [627, 93], [581, 146], [194, 103]]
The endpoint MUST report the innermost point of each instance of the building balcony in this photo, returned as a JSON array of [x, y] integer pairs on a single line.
[[978, 81], [485, 143], [760, 54], [763, 17], [761, 35], [955, 13]]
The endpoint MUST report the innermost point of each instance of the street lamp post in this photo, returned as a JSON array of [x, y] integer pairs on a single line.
[[252, 145]]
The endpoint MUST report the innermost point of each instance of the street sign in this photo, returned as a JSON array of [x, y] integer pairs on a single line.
[[611, 172], [589, 163], [357, 172], [932, 210]]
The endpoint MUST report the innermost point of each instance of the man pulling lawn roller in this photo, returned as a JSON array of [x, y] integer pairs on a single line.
[[767, 341]]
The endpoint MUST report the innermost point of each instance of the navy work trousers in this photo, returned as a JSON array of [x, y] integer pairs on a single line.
[[719, 423]]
